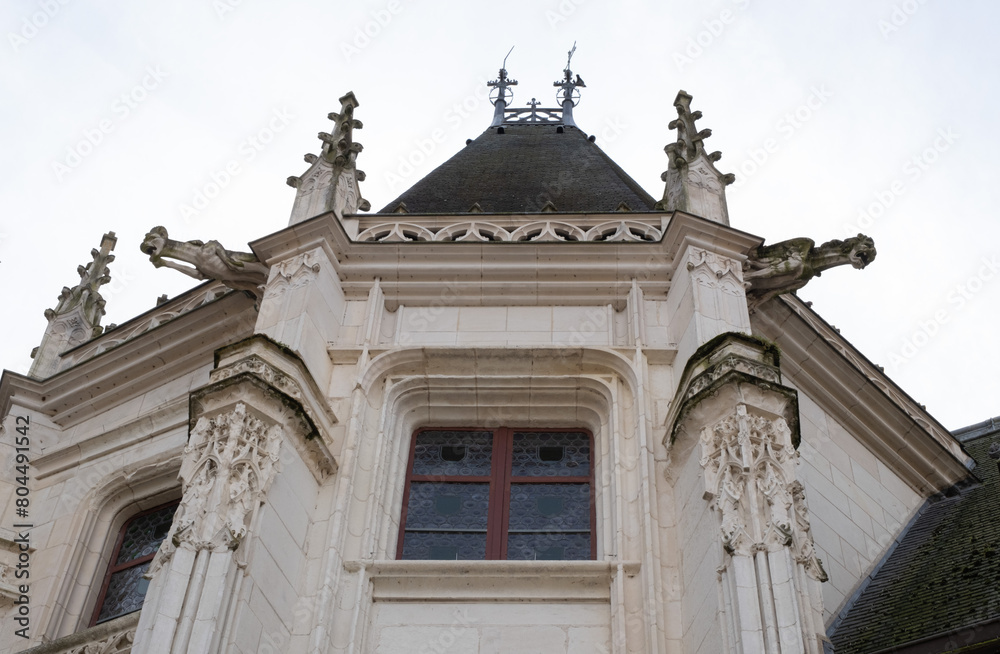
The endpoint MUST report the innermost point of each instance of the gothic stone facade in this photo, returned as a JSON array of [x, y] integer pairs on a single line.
[[747, 466]]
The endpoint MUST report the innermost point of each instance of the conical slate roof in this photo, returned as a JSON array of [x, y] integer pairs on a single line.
[[523, 168]]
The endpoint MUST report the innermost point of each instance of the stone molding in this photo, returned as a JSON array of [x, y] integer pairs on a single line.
[[494, 581], [111, 637]]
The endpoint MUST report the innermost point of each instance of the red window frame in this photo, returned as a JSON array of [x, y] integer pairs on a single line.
[[500, 481], [113, 568]]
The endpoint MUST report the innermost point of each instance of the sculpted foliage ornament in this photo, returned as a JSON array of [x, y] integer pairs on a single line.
[[228, 465], [787, 266], [242, 271]]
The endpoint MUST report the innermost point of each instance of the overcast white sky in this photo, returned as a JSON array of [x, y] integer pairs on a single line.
[[837, 117]]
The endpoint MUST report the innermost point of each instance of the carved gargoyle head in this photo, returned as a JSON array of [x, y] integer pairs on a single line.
[[154, 241], [860, 250]]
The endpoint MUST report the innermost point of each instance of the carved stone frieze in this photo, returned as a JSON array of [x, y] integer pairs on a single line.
[[537, 231]]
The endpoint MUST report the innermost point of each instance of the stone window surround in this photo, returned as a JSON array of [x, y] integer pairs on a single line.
[[569, 402], [589, 388], [112, 568], [501, 482], [104, 512]]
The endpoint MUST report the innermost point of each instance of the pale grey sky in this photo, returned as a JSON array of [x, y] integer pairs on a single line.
[[875, 116]]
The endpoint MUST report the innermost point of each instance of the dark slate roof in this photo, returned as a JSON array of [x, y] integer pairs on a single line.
[[521, 170], [943, 578]]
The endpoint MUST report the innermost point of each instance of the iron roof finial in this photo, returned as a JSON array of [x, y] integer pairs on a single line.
[[501, 95], [568, 96]]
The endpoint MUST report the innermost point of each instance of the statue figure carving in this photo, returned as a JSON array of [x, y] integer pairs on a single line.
[[787, 266], [242, 271]]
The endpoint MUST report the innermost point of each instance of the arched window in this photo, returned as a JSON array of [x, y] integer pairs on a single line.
[[514, 494], [124, 587]]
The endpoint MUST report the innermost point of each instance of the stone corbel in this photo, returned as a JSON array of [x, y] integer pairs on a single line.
[[748, 363], [281, 375]]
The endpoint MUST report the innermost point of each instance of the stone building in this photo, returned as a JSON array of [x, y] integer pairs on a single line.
[[524, 407]]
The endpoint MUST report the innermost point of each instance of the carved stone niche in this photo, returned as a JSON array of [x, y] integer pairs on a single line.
[[732, 368]]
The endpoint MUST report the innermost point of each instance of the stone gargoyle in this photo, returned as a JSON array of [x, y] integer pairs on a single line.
[[242, 271], [771, 270]]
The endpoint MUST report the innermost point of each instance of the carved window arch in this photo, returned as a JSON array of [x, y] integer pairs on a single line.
[[499, 494], [123, 587]]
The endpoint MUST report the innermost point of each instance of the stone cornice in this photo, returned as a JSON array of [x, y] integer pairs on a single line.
[[135, 366], [840, 379], [507, 273]]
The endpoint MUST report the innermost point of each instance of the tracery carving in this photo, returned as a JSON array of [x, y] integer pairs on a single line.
[[749, 463], [715, 271], [119, 643], [229, 463], [292, 273], [537, 231]]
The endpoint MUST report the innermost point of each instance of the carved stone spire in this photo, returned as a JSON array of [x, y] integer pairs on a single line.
[[331, 182], [77, 317], [568, 96], [694, 184], [501, 95]]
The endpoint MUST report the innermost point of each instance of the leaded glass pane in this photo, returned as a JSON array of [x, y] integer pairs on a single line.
[[549, 507], [548, 546], [551, 454], [444, 545], [144, 534], [126, 590], [444, 506], [466, 453]]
